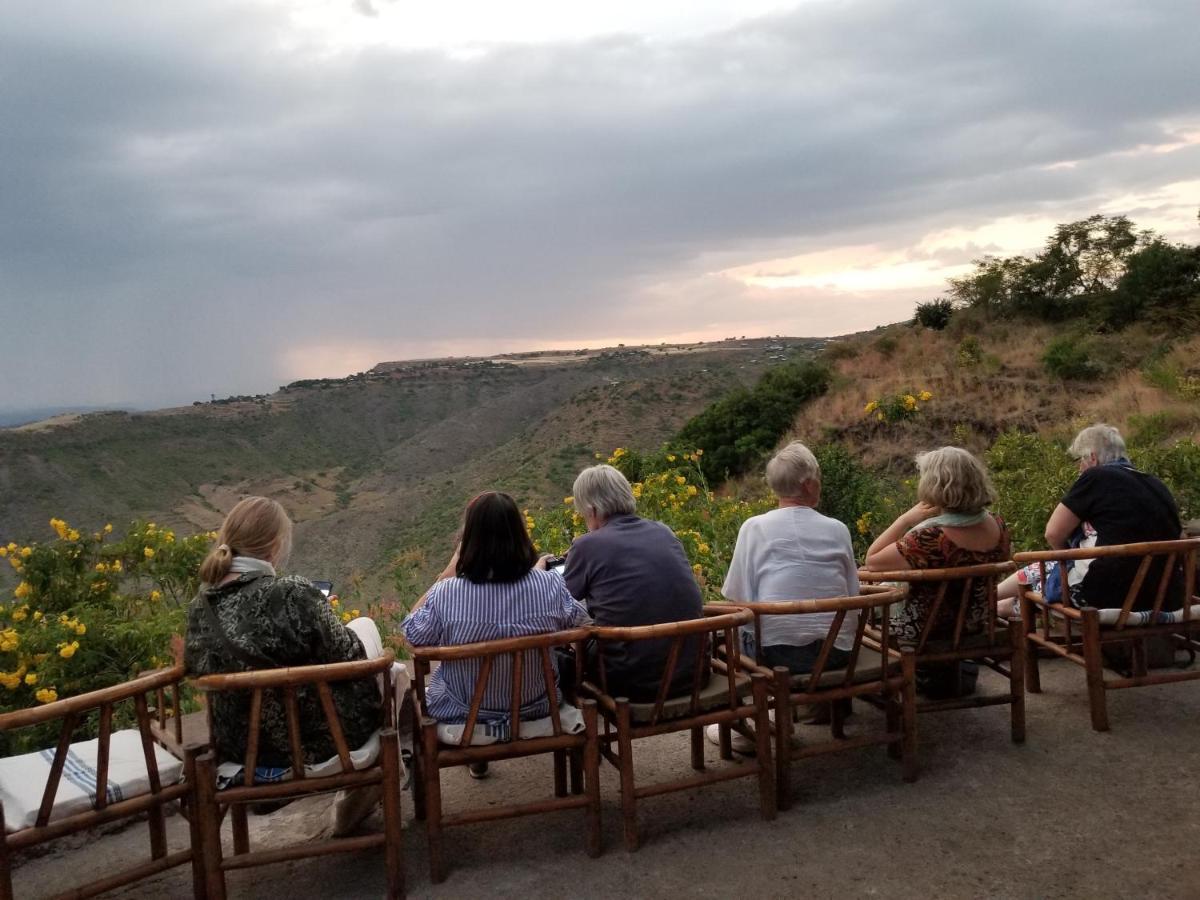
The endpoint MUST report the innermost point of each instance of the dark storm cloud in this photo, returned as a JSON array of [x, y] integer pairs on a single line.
[[181, 196]]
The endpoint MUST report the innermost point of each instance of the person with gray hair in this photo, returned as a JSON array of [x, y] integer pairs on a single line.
[[792, 552], [1110, 502], [630, 571]]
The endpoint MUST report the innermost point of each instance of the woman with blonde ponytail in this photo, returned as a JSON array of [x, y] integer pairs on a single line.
[[246, 617]]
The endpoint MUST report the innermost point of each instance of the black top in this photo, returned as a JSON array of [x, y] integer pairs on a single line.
[[1125, 506], [631, 572]]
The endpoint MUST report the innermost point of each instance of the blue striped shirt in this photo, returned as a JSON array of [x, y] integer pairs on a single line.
[[459, 611]]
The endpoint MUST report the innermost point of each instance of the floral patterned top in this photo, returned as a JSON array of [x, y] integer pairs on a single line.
[[931, 548], [277, 622]]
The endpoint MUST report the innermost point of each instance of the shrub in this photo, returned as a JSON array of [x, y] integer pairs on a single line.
[[886, 344], [746, 424], [89, 611], [897, 407], [1070, 359], [840, 350], [865, 501], [935, 314], [1031, 475], [970, 352]]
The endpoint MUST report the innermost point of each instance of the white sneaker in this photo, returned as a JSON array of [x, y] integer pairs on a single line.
[[738, 742]]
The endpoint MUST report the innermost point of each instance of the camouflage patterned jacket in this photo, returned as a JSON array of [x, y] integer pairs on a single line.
[[277, 622]]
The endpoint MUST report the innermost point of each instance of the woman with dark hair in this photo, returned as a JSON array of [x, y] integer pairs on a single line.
[[494, 587]]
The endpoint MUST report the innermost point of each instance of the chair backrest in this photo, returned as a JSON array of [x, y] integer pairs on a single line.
[[528, 659], [1173, 553], [73, 712], [287, 681], [716, 623], [872, 598], [956, 588]]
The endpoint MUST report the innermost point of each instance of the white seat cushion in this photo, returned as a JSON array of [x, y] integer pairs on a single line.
[[23, 778]]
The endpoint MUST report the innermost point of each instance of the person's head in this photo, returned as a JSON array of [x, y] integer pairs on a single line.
[[495, 545], [954, 480], [1097, 445], [794, 475], [257, 527], [600, 493]]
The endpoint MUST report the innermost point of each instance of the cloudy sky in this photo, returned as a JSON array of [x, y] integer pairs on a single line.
[[205, 196]]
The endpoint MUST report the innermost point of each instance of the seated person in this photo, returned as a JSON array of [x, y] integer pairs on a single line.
[[794, 553], [948, 527], [246, 617], [631, 571], [1119, 505], [494, 587]]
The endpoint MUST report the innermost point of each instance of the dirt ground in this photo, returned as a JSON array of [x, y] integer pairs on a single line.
[[1071, 813]]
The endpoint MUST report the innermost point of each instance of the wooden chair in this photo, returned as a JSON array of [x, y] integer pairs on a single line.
[[1000, 647], [109, 803], [715, 699], [1123, 626], [890, 683], [508, 659], [385, 771]]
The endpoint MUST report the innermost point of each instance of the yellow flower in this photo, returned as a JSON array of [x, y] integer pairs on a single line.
[[72, 535], [151, 526], [15, 562], [346, 617], [699, 452], [3, 552], [924, 396], [31, 679], [871, 407], [879, 417], [354, 613], [148, 553], [679, 479], [697, 569], [37, 615], [670, 457], [20, 615], [26, 552], [46, 695], [692, 490], [68, 650], [22, 590], [702, 547], [155, 596], [116, 565], [568, 500], [637, 490], [80, 628], [335, 602], [108, 529]]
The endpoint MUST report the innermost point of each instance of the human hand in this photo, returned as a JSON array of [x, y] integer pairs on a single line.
[[541, 563], [920, 512]]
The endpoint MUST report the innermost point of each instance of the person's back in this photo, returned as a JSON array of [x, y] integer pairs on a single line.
[[460, 611], [1124, 506], [631, 572]]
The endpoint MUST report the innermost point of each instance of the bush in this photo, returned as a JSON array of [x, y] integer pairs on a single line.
[[746, 424], [1031, 475], [1070, 359], [864, 500], [897, 407], [935, 314], [886, 344], [840, 350], [89, 611], [970, 352]]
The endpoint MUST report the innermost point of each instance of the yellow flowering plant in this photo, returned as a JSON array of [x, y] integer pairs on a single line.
[[897, 407], [87, 609]]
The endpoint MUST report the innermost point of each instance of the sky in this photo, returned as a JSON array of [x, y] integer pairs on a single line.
[[220, 196]]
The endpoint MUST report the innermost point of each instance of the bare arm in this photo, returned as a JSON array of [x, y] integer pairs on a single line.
[[1059, 529]]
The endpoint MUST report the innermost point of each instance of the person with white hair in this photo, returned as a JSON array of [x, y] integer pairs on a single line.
[[630, 571], [1110, 502]]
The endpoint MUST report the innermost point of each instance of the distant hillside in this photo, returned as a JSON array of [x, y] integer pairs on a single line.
[[373, 464]]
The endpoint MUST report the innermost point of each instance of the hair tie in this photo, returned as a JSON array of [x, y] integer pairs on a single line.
[[226, 548]]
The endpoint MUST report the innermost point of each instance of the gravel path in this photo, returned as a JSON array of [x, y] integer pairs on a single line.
[[1070, 813]]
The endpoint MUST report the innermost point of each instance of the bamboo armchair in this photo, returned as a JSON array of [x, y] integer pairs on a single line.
[[213, 804], [1000, 647], [73, 712], [890, 683], [714, 699], [1085, 647], [508, 659]]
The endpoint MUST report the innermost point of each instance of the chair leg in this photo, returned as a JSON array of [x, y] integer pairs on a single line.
[[625, 755], [560, 773], [591, 769], [783, 738], [725, 739], [392, 829], [199, 890], [209, 814], [1094, 665], [908, 664], [433, 801], [241, 829], [575, 760], [1033, 674], [698, 749], [1016, 667], [762, 737]]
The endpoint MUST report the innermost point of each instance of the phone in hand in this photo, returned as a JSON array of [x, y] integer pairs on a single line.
[[556, 564], [325, 587]]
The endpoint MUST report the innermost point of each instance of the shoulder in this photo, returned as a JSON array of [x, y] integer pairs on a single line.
[[293, 587]]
